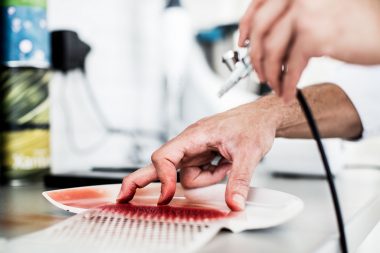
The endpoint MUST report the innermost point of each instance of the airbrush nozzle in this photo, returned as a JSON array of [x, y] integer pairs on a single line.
[[240, 68]]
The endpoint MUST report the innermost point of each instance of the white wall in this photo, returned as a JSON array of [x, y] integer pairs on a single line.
[[124, 71]]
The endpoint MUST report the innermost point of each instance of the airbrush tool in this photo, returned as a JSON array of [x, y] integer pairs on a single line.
[[240, 66], [238, 62]]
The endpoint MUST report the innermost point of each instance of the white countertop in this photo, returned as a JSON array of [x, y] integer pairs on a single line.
[[23, 210]]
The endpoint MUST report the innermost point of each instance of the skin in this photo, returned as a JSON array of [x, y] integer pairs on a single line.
[[242, 136], [285, 34]]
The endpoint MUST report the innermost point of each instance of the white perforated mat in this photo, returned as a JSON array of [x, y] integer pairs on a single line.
[[103, 231]]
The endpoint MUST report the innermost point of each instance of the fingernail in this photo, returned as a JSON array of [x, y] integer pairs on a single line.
[[118, 198], [162, 201], [239, 201], [122, 199]]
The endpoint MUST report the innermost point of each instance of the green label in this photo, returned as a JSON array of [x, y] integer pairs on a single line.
[[29, 3], [24, 121], [26, 150], [24, 97]]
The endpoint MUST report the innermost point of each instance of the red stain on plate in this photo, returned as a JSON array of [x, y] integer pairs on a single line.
[[165, 213], [93, 197], [81, 197]]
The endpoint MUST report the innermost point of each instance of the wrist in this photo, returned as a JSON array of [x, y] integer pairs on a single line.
[[273, 109], [282, 117]]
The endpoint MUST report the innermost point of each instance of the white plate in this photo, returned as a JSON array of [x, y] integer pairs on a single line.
[[264, 207]]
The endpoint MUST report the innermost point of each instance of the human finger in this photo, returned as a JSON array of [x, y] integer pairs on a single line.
[[295, 64], [240, 177], [194, 177], [137, 179], [246, 21], [198, 160], [265, 17], [166, 169], [276, 47], [167, 159]]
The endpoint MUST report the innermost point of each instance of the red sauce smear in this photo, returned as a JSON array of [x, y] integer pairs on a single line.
[[165, 213]]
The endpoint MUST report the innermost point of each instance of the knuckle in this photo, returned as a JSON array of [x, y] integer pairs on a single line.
[[129, 183], [200, 123], [198, 129], [127, 179], [156, 156], [241, 184], [242, 179], [187, 183]]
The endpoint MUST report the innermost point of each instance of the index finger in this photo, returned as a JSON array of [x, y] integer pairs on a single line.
[[167, 160], [137, 179], [246, 21]]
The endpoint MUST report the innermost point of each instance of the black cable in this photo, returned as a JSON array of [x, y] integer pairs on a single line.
[[314, 129]]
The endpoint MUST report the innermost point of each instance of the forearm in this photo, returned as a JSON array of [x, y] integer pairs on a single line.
[[335, 114]]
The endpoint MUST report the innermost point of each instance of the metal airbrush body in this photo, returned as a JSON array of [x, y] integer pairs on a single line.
[[238, 62]]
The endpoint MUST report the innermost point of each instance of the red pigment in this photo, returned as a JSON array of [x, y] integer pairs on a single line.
[[165, 212], [76, 194], [86, 203], [81, 197]]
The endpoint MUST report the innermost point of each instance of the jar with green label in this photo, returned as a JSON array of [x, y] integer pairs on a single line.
[[24, 100]]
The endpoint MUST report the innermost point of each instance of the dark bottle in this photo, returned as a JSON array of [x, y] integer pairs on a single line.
[[24, 79]]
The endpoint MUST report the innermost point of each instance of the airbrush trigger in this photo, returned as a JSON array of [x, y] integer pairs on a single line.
[[239, 65]]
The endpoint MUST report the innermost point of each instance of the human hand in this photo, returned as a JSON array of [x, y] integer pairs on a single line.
[[285, 34], [242, 136]]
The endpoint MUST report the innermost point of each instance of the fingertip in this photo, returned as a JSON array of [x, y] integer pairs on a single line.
[[275, 89], [289, 99], [124, 198], [286, 100], [236, 202], [241, 40], [126, 192], [288, 94], [236, 193], [261, 77], [167, 193], [164, 199]]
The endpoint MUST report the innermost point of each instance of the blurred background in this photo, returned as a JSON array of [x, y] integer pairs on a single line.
[[155, 67], [90, 88], [131, 70]]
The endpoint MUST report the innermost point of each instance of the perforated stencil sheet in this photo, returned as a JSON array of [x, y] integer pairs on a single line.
[[99, 230]]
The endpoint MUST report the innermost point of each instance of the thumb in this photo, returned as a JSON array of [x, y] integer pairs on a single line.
[[240, 178]]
